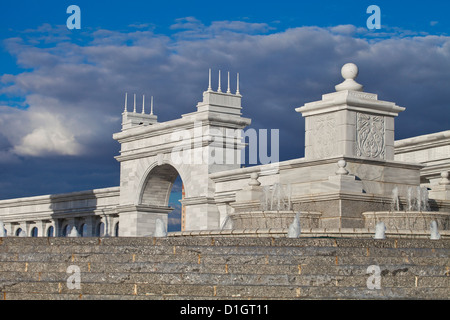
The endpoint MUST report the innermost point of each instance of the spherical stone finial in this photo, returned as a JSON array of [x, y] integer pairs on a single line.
[[254, 179], [444, 180], [349, 72], [342, 171]]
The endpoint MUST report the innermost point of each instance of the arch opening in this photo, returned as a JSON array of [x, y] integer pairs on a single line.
[[50, 231], [34, 232], [163, 188]]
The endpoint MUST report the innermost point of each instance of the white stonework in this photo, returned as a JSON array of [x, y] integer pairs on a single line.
[[153, 155], [349, 123], [431, 150], [58, 211]]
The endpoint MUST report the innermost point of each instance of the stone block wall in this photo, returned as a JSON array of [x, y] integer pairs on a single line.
[[207, 268]]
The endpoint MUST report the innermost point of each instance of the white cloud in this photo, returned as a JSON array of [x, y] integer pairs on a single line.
[[191, 28], [240, 26], [187, 23], [344, 29], [49, 136]]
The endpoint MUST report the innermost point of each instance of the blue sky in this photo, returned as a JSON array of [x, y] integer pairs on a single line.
[[19, 16], [61, 91]]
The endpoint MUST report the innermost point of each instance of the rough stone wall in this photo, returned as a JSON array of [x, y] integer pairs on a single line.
[[188, 268]]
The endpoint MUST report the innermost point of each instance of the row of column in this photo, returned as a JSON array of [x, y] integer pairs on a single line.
[[89, 226]]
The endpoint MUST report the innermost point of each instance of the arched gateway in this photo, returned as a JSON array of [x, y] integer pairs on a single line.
[[153, 154]]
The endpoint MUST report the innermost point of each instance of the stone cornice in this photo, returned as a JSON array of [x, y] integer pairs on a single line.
[[427, 141], [187, 122], [270, 169], [63, 197], [197, 200], [350, 100], [58, 214], [144, 208], [167, 148]]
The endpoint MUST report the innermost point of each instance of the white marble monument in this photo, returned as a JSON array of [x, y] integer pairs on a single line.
[[353, 175]]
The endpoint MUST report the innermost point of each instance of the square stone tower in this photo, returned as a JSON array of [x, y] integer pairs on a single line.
[[356, 130], [349, 122]]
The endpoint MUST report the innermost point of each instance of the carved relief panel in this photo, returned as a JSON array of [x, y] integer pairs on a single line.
[[324, 136], [370, 136]]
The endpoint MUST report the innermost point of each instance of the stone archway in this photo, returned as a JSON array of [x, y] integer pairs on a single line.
[[158, 185], [158, 189], [151, 202], [153, 154]]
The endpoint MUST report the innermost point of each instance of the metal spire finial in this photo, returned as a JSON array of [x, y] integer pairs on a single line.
[[209, 81], [151, 105], [219, 89]]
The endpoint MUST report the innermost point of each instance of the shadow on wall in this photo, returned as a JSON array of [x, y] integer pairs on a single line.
[[80, 214]]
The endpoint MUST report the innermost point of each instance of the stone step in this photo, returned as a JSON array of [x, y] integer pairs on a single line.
[[220, 242], [183, 291], [66, 296], [22, 253], [37, 268], [6, 252], [436, 259], [388, 279]]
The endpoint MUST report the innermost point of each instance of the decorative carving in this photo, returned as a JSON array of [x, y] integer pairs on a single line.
[[370, 137], [324, 136], [363, 95]]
